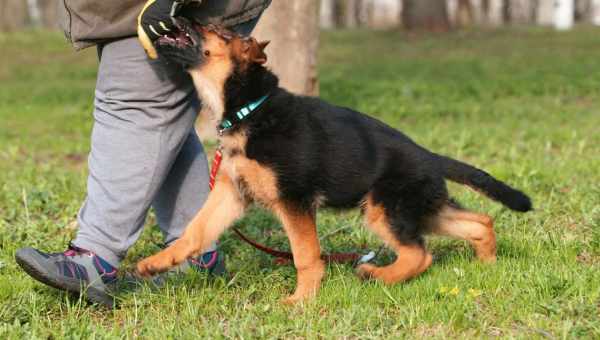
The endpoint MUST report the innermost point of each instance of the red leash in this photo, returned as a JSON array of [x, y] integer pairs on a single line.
[[215, 168], [283, 256]]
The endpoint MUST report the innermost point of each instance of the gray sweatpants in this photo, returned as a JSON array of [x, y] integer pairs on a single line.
[[144, 151]]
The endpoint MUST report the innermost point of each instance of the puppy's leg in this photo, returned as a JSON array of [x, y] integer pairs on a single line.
[[477, 229], [301, 230], [222, 207], [412, 258]]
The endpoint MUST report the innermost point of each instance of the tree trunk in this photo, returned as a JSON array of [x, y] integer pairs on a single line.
[[350, 13], [485, 6], [13, 15], [384, 13], [545, 12], [564, 14], [533, 7], [464, 13], [520, 11], [49, 13], [346, 13], [362, 12], [451, 8], [292, 27], [326, 14], [430, 15], [479, 11], [33, 8], [583, 10], [494, 12], [338, 13], [506, 13], [485, 12], [596, 12]]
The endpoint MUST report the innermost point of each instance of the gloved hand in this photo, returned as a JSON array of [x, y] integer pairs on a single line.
[[156, 19]]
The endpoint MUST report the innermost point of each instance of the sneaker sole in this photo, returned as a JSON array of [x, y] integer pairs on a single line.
[[29, 261]]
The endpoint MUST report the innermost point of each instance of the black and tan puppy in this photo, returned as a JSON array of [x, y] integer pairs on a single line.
[[294, 154]]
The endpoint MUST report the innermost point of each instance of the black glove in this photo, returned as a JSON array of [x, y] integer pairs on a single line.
[[156, 19]]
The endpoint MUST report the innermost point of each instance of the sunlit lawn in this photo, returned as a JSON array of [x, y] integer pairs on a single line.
[[524, 104]]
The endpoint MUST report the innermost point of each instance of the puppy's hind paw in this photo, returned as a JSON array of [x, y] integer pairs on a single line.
[[365, 271]]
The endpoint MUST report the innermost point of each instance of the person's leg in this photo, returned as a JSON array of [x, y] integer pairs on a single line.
[[144, 113], [184, 190]]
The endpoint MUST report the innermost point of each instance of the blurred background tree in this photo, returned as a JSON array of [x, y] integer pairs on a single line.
[[13, 15], [442, 15], [437, 15], [48, 10], [430, 15], [295, 23], [434, 15]]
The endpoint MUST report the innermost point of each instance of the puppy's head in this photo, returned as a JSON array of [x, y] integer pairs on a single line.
[[211, 54]]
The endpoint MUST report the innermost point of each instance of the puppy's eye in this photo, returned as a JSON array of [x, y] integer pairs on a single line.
[[207, 53]]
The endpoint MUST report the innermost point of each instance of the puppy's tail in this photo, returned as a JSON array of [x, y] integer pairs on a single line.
[[483, 182]]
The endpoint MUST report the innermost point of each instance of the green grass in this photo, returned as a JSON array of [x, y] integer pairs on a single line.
[[523, 104]]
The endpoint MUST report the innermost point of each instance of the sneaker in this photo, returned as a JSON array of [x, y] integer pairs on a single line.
[[211, 262], [76, 270]]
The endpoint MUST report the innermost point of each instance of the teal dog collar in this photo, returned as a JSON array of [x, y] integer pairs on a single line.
[[240, 115]]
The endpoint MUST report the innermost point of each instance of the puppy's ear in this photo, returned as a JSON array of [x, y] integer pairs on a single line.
[[263, 44], [248, 51], [256, 52]]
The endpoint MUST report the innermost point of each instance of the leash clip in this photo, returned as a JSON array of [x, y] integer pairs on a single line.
[[366, 258]]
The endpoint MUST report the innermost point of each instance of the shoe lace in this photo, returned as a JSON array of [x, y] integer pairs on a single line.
[[73, 250], [104, 268], [199, 261]]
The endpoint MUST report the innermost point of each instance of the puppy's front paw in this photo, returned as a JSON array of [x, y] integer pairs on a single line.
[[155, 264], [166, 259], [294, 299], [366, 271]]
